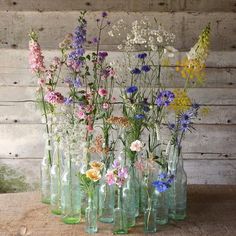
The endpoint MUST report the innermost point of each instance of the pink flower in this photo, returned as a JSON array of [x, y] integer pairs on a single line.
[[81, 115], [54, 97], [110, 177], [105, 105], [102, 92], [136, 146], [89, 128], [139, 165], [89, 108], [41, 81], [36, 57]]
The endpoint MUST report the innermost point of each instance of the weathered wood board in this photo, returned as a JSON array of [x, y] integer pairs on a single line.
[[54, 25]]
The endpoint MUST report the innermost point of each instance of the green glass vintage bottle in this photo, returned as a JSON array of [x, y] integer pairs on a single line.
[[120, 225], [70, 193], [91, 214], [56, 174], [177, 194], [45, 172]]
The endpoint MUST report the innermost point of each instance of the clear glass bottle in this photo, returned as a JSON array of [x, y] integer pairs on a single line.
[[70, 193], [120, 225], [91, 214], [162, 208], [45, 173], [56, 173], [177, 194], [106, 202], [131, 196], [150, 224]]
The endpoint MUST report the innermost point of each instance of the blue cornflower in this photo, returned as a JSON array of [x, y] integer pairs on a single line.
[[139, 116], [160, 186], [68, 101], [171, 126], [136, 71], [77, 83], [146, 68], [142, 55], [184, 126], [195, 106], [162, 175], [132, 89], [165, 98]]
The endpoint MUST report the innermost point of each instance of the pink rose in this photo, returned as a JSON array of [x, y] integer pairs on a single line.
[[136, 146], [105, 106], [90, 128], [81, 115], [102, 92]]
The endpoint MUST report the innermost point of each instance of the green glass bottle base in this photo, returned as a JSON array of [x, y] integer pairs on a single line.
[[177, 216], [106, 219], [162, 222], [150, 231], [45, 201], [120, 231], [56, 212], [91, 230], [71, 220]]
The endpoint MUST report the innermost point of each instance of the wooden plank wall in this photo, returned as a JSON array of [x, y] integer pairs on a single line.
[[210, 153]]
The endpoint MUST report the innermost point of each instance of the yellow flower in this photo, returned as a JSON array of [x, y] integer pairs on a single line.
[[93, 175], [181, 101], [96, 165]]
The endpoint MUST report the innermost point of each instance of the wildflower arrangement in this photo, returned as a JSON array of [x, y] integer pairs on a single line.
[[83, 119]]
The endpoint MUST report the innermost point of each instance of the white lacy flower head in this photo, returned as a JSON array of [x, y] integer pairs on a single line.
[[136, 146]]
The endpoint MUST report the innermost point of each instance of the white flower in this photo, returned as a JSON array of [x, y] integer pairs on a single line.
[[136, 146]]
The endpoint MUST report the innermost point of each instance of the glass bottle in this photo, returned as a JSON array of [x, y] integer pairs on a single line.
[[120, 215], [162, 208], [131, 196], [177, 194], [106, 202], [45, 172], [56, 171], [91, 214], [70, 193]]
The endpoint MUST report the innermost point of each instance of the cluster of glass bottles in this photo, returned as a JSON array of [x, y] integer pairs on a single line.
[[60, 186]]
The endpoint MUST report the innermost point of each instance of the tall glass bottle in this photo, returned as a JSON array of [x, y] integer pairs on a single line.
[[70, 193], [177, 194], [130, 202], [106, 202], [56, 173], [162, 208], [91, 214], [45, 172], [120, 225]]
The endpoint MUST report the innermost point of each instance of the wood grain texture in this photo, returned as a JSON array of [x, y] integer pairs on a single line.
[[54, 25], [119, 5], [211, 211]]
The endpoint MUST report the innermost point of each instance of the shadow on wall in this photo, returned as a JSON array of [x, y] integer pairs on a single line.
[[12, 181]]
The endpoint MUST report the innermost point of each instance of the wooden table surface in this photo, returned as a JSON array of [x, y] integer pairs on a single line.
[[211, 211]]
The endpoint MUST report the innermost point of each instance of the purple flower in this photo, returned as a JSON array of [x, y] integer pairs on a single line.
[[165, 98], [68, 101], [139, 116], [104, 14], [136, 71], [77, 83], [116, 164], [195, 106], [68, 81], [95, 40], [146, 68], [132, 89], [162, 175], [142, 55], [184, 126], [160, 186], [171, 126], [102, 55], [123, 173]]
